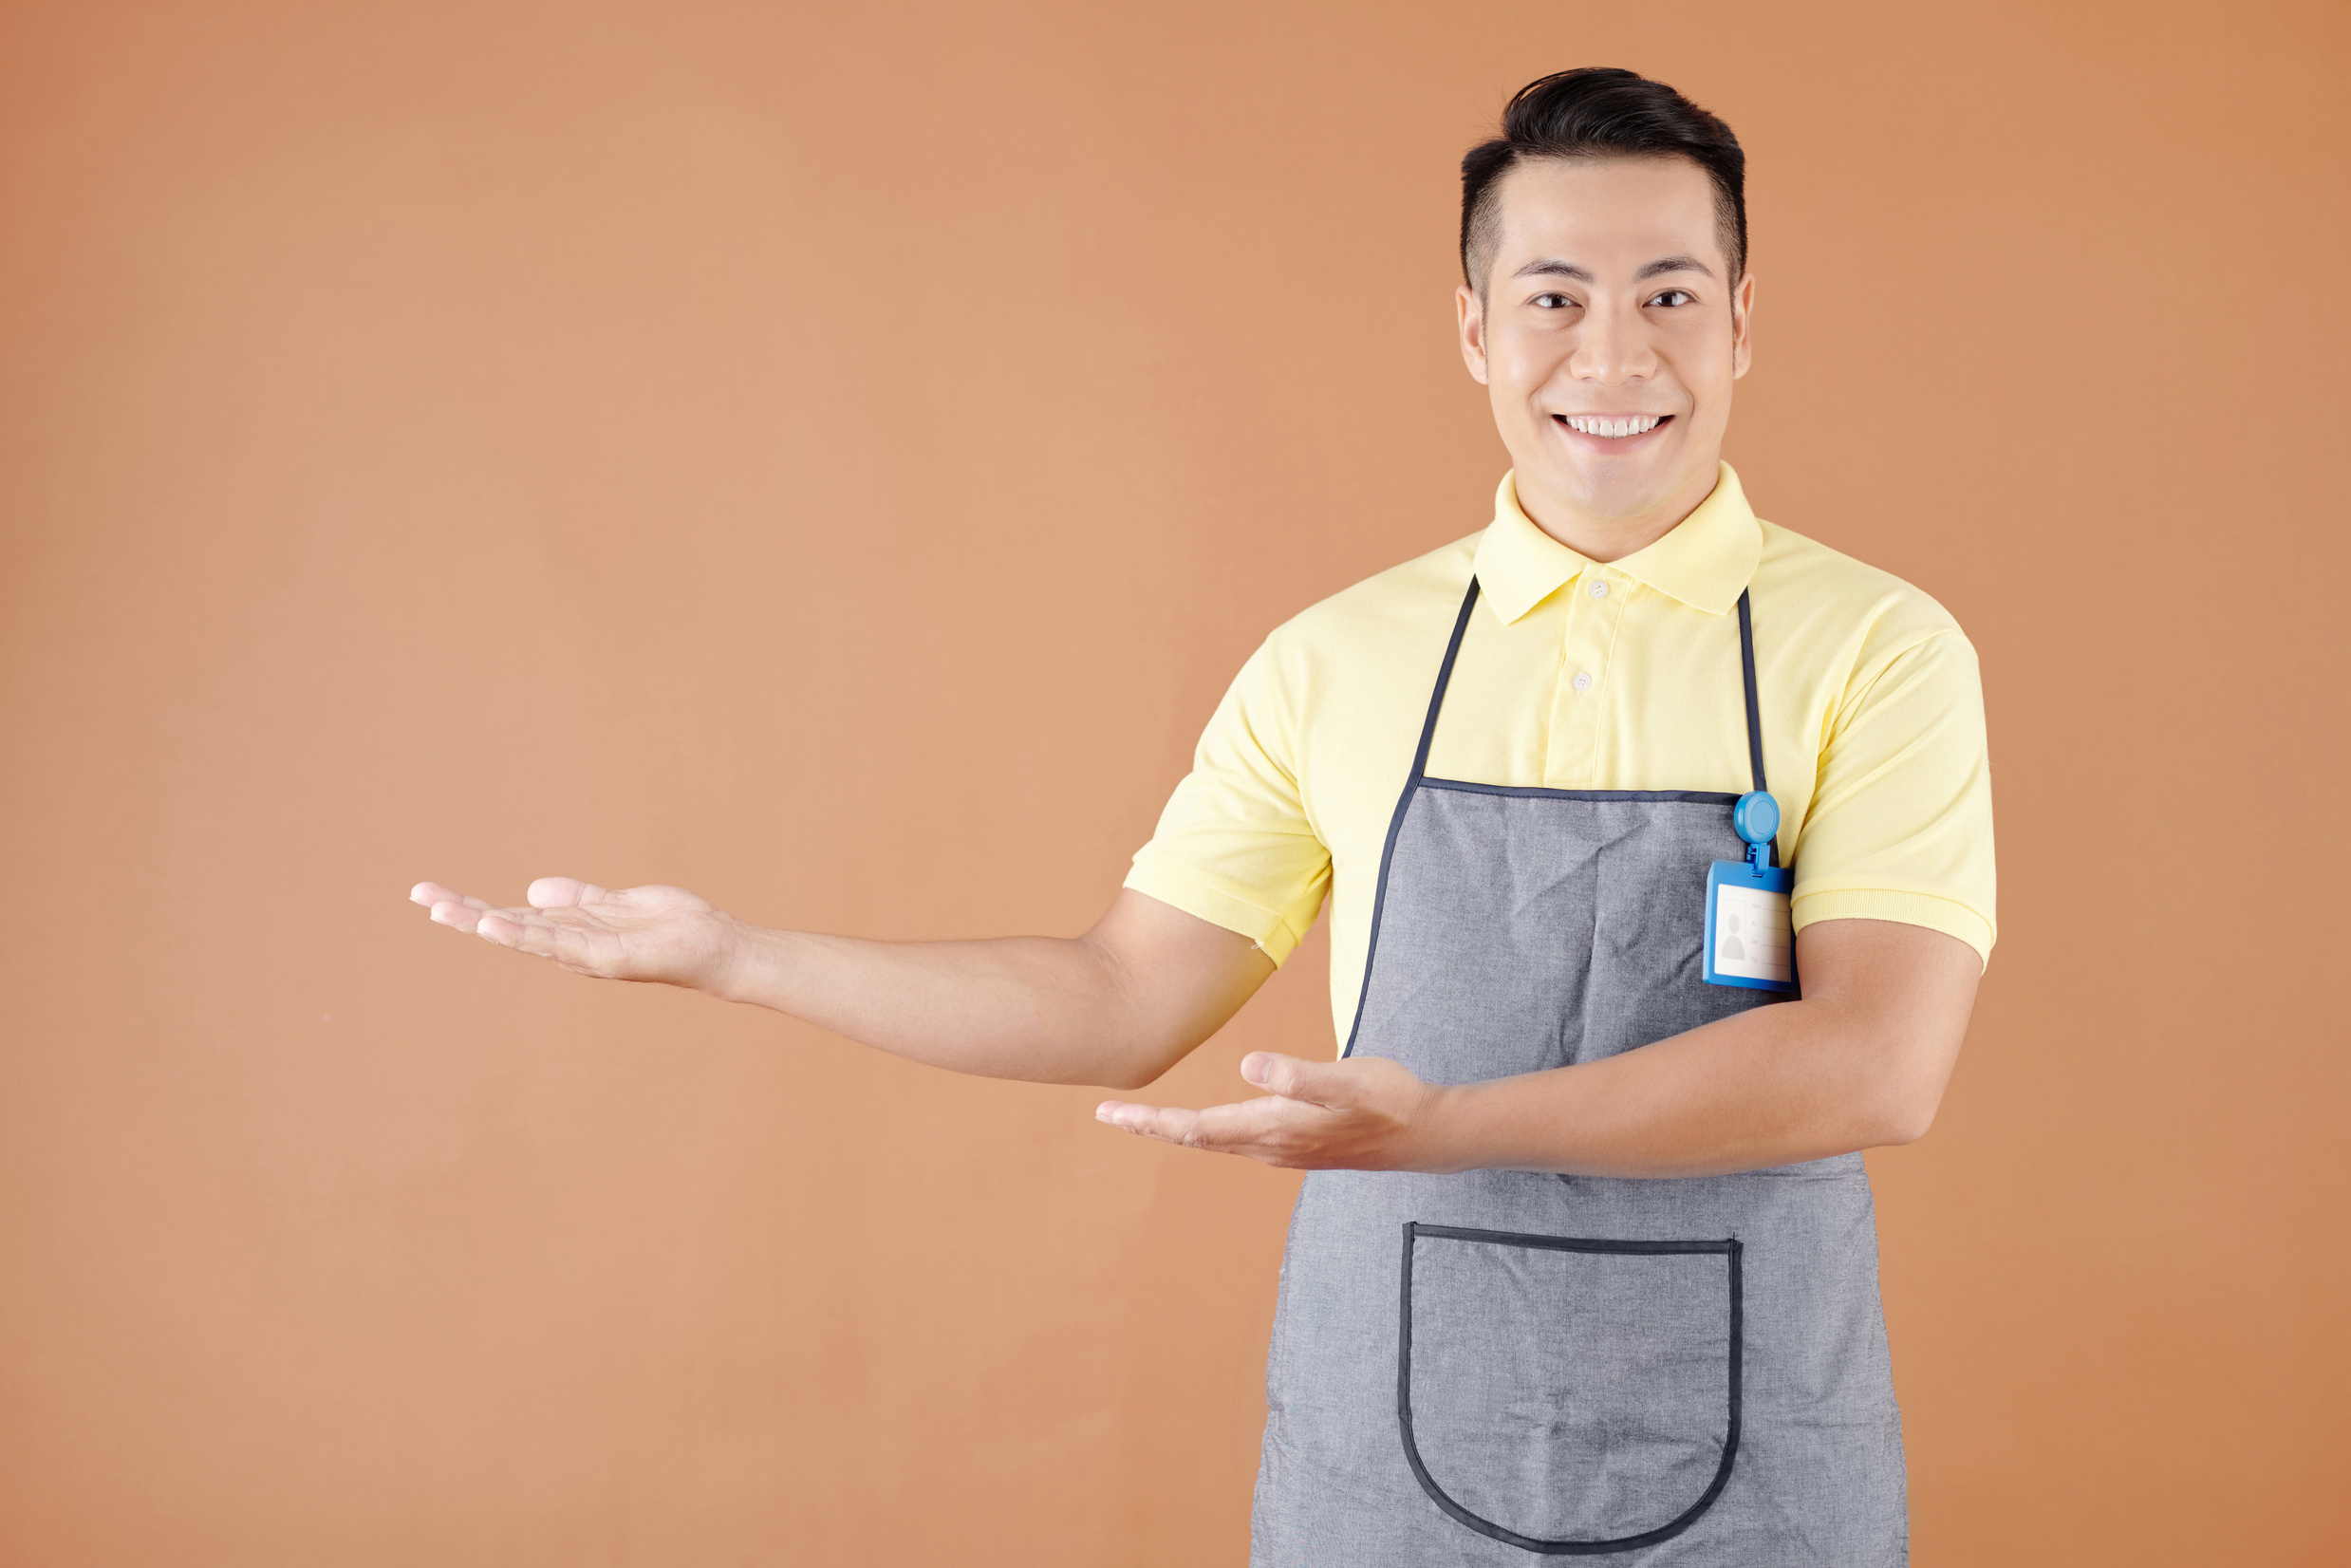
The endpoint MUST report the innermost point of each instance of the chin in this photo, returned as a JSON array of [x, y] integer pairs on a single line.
[[1620, 497]]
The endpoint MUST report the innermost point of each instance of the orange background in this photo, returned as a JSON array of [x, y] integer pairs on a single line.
[[833, 459]]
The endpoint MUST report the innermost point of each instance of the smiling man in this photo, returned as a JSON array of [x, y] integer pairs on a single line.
[[1657, 840]]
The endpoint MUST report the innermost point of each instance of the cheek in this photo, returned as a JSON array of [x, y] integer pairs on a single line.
[[1712, 389], [1704, 368], [1520, 370]]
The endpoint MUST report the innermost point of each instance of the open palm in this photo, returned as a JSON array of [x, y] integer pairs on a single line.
[[662, 934]]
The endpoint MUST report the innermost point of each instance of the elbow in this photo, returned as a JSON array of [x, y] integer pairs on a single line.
[[1130, 1071], [1899, 1085], [1141, 1062], [1907, 1130], [1904, 1113]]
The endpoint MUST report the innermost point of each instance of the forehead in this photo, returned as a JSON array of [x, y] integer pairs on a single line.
[[1606, 213]]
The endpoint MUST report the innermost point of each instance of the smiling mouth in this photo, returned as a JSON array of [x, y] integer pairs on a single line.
[[1613, 427]]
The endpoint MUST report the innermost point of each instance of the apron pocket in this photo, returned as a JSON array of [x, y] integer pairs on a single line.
[[1569, 1396]]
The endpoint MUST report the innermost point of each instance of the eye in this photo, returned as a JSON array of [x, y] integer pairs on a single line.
[[1551, 301], [1672, 297]]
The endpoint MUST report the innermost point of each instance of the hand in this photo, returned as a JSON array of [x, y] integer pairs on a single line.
[[1362, 1113], [662, 934]]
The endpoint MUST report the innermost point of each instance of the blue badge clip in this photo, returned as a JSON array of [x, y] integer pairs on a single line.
[[1749, 942]]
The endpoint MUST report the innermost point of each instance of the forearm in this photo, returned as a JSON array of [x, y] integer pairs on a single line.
[[1115, 1007], [1861, 1060], [1771, 1086], [1048, 1009]]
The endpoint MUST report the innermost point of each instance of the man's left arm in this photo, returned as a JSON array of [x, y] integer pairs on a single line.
[[1859, 1061], [1893, 909]]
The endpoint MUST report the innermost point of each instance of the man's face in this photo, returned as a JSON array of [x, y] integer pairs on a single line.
[[1607, 309]]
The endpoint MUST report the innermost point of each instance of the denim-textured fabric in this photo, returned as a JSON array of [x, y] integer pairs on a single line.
[[1570, 1396]]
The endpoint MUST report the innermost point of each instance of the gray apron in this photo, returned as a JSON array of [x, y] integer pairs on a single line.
[[1489, 1366]]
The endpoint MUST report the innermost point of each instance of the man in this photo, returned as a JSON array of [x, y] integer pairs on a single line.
[[1585, 1262]]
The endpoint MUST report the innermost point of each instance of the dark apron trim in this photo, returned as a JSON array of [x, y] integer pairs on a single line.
[[1413, 1230], [1691, 797]]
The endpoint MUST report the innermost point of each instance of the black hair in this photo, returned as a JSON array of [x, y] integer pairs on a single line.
[[1599, 111]]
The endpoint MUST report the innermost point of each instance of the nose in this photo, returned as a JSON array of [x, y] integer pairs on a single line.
[[1613, 348]]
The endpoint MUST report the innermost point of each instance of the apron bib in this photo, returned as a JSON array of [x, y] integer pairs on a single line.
[[1499, 1365]]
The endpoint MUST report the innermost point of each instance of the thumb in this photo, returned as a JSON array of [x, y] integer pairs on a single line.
[[560, 892], [1316, 1083]]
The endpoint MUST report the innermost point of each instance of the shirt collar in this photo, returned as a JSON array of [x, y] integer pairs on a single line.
[[1705, 560]]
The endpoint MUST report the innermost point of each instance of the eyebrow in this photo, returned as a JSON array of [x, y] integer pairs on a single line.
[[1673, 264], [1552, 267]]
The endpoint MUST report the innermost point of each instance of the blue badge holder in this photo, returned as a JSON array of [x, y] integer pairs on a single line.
[[1751, 942]]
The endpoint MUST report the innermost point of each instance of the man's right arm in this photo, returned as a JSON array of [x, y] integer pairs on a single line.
[[1115, 1007]]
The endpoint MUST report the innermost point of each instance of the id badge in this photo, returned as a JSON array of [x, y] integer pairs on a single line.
[[1748, 938], [1750, 941]]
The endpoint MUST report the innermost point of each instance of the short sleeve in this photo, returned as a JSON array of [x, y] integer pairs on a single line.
[[1233, 846], [1900, 826]]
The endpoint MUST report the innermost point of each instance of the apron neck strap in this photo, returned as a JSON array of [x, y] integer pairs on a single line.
[[1755, 708], [1445, 679]]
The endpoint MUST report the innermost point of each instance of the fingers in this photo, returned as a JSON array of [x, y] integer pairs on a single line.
[[523, 929], [1169, 1126], [433, 892], [463, 914], [451, 907], [546, 893], [506, 927], [526, 931], [1252, 1127], [566, 935], [552, 925], [467, 914], [1304, 1095]]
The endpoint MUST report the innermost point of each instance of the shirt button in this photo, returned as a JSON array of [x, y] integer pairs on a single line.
[[1599, 589], [1582, 680]]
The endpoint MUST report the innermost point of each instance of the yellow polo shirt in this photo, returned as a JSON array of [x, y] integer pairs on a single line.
[[1580, 675]]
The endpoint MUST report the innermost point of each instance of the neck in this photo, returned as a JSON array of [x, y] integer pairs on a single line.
[[1604, 539]]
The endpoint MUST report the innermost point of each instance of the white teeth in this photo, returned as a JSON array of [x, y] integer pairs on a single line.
[[1638, 424]]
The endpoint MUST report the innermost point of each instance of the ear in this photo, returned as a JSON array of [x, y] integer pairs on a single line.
[[1742, 313], [1471, 316]]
